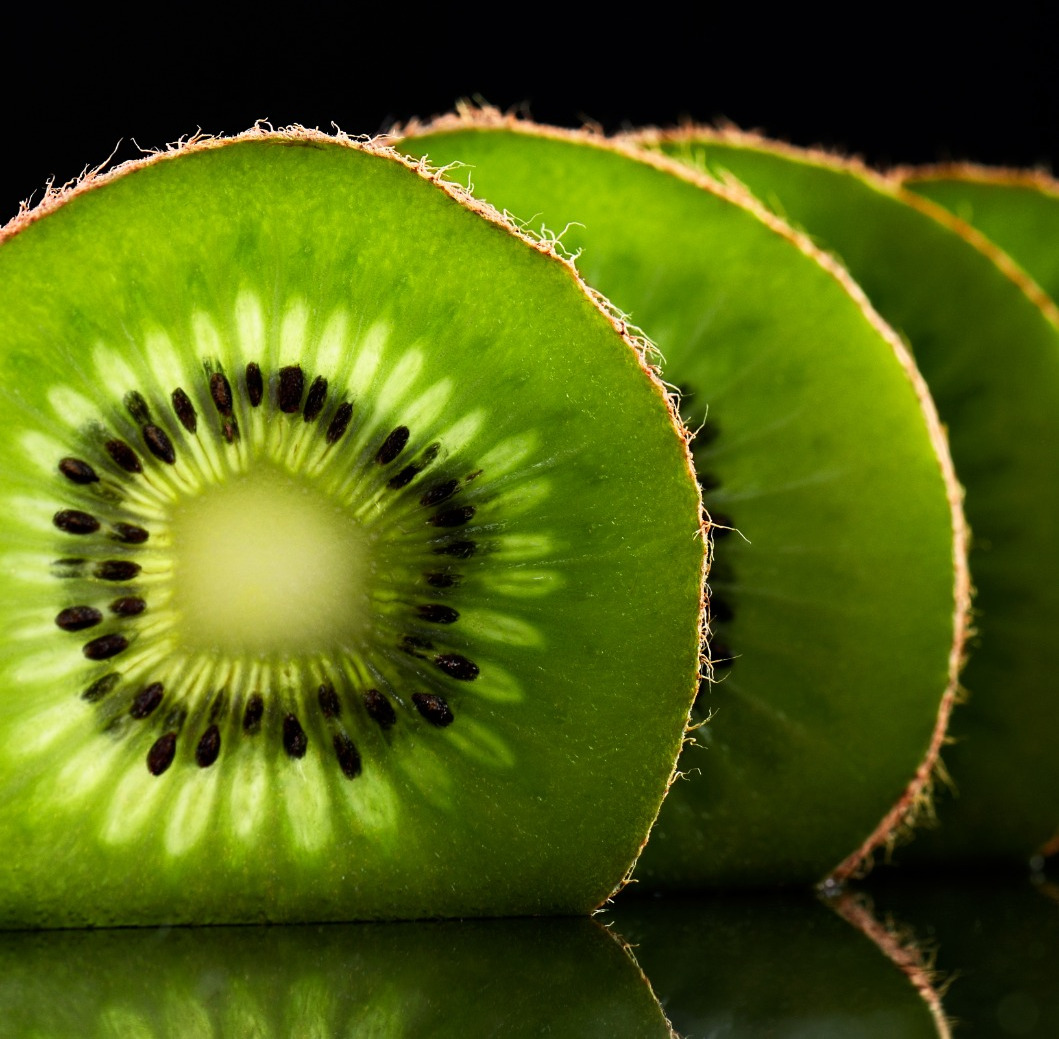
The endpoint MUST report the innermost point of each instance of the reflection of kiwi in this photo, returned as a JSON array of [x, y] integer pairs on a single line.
[[785, 967], [991, 357], [330, 590], [480, 978], [837, 610]]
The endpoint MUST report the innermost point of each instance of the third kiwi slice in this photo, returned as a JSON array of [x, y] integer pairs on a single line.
[[839, 585], [333, 589], [987, 342]]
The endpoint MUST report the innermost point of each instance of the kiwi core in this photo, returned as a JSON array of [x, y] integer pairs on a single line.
[[266, 563]]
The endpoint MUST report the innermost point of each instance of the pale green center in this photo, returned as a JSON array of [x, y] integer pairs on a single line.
[[266, 564]]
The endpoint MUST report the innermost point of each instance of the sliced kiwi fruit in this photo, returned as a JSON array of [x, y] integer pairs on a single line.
[[839, 586], [338, 585], [990, 354], [779, 965], [1016, 209], [565, 977]]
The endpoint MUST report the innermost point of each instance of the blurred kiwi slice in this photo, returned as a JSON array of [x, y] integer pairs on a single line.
[[839, 587], [481, 978], [334, 587], [1016, 209], [990, 355]]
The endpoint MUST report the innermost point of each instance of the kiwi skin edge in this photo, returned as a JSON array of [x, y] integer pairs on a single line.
[[519, 855]]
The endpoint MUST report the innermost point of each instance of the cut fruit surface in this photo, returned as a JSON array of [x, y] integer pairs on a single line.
[[990, 355], [1016, 209], [819, 445], [330, 592]]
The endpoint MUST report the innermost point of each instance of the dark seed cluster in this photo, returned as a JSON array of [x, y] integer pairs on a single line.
[[293, 721]]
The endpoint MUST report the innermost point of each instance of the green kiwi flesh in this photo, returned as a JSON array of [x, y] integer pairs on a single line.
[[333, 588], [1017, 210], [449, 978], [838, 607], [990, 355]]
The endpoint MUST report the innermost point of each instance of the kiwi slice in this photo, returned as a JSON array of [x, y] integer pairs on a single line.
[[782, 966], [468, 978], [991, 357], [839, 586], [1016, 209], [335, 586]]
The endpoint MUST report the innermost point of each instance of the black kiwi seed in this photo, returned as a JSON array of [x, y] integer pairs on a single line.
[[294, 740], [128, 606], [221, 392], [291, 387], [161, 754], [105, 647], [439, 492], [433, 708], [100, 687], [340, 423], [77, 618], [185, 410], [130, 534], [77, 471], [137, 407], [117, 570], [435, 613], [346, 752], [314, 402], [379, 709], [404, 477], [124, 456], [457, 666], [415, 645], [255, 708], [458, 549], [159, 444], [209, 746], [147, 700], [73, 521], [453, 517], [393, 445], [329, 701], [442, 580], [255, 385]]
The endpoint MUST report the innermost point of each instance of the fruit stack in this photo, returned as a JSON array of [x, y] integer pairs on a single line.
[[376, 549]]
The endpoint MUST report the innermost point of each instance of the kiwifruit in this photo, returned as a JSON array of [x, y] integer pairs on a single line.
[[563, 977], [1016, 209], [990, 353], [337, 583], [839, 585]]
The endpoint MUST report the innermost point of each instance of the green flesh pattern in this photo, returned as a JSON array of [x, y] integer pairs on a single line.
[[843, 592], [991, 359], [1020, 214], [578, 608], [778, 967], [448, 979]]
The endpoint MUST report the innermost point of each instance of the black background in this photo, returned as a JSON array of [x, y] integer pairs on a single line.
[[81, 84]]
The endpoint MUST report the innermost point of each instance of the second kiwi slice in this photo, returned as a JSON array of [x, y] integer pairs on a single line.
[[332, 589], [839, 586]]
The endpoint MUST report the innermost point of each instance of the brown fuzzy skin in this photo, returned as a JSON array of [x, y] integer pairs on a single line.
[[901, 949], [916, 801], [645, 352]]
